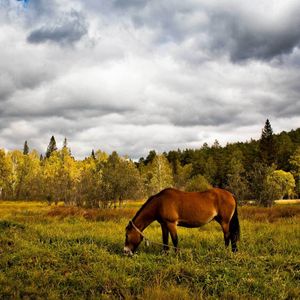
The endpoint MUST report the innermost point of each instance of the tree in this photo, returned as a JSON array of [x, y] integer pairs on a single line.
[[285, 148], [283, 183], [5, 175], [30, 183], [236, 182], [295, 163], [261, 189], [121, 180], [25, 148], [197, 183], [267, 145], [152, 154], [93, 154], [210, 169], [88, 184], [157, 175], [65, 148], [183, 175], [51, 147], [51, 176]]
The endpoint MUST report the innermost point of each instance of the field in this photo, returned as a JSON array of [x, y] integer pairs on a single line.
[[70, 253]]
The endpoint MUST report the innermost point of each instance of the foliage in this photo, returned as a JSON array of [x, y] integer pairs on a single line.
[[51, 147], [197, 183], [121, 180], [267, 144], [237, 183], [283, 183], [157, 175], [295, 163], [106, 180], [25, 148], [263, 190]]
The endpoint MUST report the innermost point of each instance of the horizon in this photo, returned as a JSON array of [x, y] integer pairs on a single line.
[[59, 145]]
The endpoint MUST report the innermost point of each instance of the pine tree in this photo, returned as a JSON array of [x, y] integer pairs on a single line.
[[267, 144], [51, 147], [65, 149], [65, 145], [25, 148], [93, 154]]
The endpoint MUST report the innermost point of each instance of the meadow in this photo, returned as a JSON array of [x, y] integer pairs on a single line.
[[49, 252]]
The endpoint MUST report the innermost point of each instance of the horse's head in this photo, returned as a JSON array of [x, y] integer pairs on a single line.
[[132, 240]]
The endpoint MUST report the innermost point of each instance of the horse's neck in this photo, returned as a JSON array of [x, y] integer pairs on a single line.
[[145, 217]]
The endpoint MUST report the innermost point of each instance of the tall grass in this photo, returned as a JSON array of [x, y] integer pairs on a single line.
[[70, 253]]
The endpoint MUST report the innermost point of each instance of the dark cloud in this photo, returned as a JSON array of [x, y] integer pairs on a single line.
[[244, 38], [138, 4], [67, 30], [241, 33]]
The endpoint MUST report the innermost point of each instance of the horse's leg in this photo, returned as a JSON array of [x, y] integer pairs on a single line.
[[173, 232], [165, 236], [225, 227], [233, 244]]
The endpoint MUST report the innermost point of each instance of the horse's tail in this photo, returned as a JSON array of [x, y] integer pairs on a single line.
[[234, 226]]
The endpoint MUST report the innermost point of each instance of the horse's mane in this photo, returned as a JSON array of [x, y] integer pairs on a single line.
[[143, 206], [148, 201]]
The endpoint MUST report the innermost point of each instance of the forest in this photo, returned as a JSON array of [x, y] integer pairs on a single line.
[[258, 170]]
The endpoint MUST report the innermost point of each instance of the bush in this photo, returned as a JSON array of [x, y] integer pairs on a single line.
[[197, 184]]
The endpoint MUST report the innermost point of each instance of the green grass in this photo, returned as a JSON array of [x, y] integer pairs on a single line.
[[57, 253]]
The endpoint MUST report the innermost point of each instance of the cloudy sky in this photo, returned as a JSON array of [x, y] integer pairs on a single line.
[[135, 75]]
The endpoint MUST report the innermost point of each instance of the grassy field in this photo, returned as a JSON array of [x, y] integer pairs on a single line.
[[69, 253]]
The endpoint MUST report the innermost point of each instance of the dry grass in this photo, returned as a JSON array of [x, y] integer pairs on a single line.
[[92, 214], [270, 214]]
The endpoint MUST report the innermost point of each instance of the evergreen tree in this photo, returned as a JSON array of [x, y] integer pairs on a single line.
[[93, 154], [295, 163], [51, 147], [267, 144], [25, 148], [65, 145], [152, 154], [66, 151]]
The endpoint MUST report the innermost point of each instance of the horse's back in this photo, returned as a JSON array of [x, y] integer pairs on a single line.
[[194, 209]]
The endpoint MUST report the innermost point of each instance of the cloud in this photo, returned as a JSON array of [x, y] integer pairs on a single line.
[[138, 75], [68, 29]]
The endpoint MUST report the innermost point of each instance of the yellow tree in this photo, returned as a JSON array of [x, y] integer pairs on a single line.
[[5, 175], [30, 182], [283, 183], [51, 172]]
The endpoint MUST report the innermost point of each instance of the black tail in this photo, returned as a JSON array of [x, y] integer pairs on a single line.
[[234, 229]]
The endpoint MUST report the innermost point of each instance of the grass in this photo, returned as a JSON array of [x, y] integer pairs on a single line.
[[70, 253]]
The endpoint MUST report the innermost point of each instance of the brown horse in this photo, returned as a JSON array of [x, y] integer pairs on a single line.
[[172, 208]]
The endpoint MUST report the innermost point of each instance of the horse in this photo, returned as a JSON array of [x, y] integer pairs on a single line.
[[172, 208]]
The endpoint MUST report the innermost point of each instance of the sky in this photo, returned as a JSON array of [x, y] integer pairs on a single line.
[[135, 75]]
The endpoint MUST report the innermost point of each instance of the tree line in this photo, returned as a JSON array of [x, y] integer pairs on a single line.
[[260, 170]]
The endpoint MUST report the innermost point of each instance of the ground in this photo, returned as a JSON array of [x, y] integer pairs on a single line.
[[70, 253]]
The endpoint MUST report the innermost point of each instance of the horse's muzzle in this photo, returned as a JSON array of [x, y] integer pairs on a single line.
[[127, 251]]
